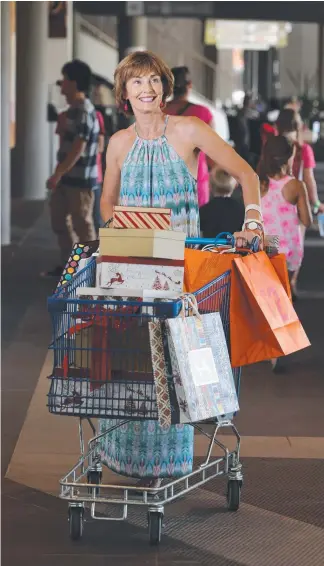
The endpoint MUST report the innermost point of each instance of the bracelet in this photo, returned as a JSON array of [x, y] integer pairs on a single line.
[[316, 206], [255, 207]]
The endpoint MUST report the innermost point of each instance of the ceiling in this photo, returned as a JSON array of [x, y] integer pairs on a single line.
[[279, 11]]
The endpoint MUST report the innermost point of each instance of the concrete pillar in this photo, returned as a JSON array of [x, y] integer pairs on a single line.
[[32, 151], [321, 62], [5, 124], [132, 34]]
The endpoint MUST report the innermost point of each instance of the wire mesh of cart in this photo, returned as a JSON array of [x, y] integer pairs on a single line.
[[103, 369]]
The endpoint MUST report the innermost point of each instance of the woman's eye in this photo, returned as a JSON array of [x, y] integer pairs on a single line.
[[156, 80]]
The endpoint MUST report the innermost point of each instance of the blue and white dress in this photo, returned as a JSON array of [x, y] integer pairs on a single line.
[[154, 175]]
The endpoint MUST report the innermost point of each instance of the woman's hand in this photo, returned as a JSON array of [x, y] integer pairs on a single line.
[[244, 239]]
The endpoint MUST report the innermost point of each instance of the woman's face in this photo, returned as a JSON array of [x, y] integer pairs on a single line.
[[145, 93]]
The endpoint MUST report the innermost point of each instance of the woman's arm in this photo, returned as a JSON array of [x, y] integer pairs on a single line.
[[311, 185], [101, 143], [226, 158], [303, 205], [309, 164], [111, 184]]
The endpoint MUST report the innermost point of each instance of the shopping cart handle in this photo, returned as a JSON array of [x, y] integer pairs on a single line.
[[222, 239]]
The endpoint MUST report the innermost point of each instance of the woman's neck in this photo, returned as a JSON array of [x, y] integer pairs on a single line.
[[150, 126]]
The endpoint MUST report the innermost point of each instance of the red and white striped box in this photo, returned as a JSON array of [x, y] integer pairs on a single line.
[[137, 217]]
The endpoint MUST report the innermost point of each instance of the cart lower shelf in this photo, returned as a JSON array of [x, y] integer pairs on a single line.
[[84, 491]]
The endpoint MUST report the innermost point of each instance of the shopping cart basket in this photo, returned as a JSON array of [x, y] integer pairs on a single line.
[[102, 368]]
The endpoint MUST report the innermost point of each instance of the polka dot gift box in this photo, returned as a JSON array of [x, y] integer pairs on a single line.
[[79, 253]]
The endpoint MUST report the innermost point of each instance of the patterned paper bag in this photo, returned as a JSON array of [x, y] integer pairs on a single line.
[[201, 369]]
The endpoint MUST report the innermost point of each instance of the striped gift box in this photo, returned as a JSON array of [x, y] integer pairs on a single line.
[[136, 217]]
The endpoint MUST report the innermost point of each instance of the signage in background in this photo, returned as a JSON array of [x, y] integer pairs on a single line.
[[246, 35], [175, 9], [57, 28]]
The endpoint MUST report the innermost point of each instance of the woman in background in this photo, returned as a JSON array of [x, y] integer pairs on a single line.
[[180, 106], [289, 125]]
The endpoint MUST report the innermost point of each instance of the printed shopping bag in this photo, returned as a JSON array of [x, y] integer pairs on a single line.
[[201, 368], [160, 375], [79, 252], [263, 322]]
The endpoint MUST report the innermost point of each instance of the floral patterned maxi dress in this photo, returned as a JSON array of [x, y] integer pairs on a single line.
[[154, 175]]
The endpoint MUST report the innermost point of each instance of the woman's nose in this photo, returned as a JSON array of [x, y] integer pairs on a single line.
[[148, 87]]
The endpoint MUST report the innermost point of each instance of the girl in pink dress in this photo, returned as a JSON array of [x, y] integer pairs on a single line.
[[285, 202]]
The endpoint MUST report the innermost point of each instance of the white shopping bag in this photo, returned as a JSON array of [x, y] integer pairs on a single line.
[[201, 369]]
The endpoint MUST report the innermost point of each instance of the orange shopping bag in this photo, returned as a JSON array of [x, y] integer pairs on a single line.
[[202, 267], [280, 264], [263, 322]]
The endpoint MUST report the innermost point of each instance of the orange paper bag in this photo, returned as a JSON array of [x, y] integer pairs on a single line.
[[263, 322], [202, 267], [280, 264]]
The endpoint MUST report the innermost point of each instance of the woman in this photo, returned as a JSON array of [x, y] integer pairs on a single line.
[[154, 162], [289, 124], [180, 106]]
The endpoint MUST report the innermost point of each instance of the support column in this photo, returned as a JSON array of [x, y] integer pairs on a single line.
[[255, 73], [5, 124], [263, 75], [32, 151], [321, 62], [247, 76], [131, 33]]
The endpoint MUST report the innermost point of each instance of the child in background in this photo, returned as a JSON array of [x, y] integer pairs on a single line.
[[285, 201], [222, 213]]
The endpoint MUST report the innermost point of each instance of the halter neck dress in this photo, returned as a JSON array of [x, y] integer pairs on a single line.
[[154, 175]]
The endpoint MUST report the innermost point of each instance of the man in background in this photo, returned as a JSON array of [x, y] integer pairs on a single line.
[[76, 174]]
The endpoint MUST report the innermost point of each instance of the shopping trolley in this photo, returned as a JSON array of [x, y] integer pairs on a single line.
[[81, 328]]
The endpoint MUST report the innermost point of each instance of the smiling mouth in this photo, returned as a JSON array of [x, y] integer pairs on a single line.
[[147, 98]]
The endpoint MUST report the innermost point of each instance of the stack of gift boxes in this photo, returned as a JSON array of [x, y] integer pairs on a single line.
[[140, 252]]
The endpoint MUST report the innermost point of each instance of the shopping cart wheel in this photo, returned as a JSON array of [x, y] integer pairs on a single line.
[[233, 494], [76, 522], [95, 478], [155, 522]]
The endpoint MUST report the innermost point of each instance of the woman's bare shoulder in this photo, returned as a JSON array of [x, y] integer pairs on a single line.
[[122, 137], [294, 185], [186, 126], [294, 188]]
